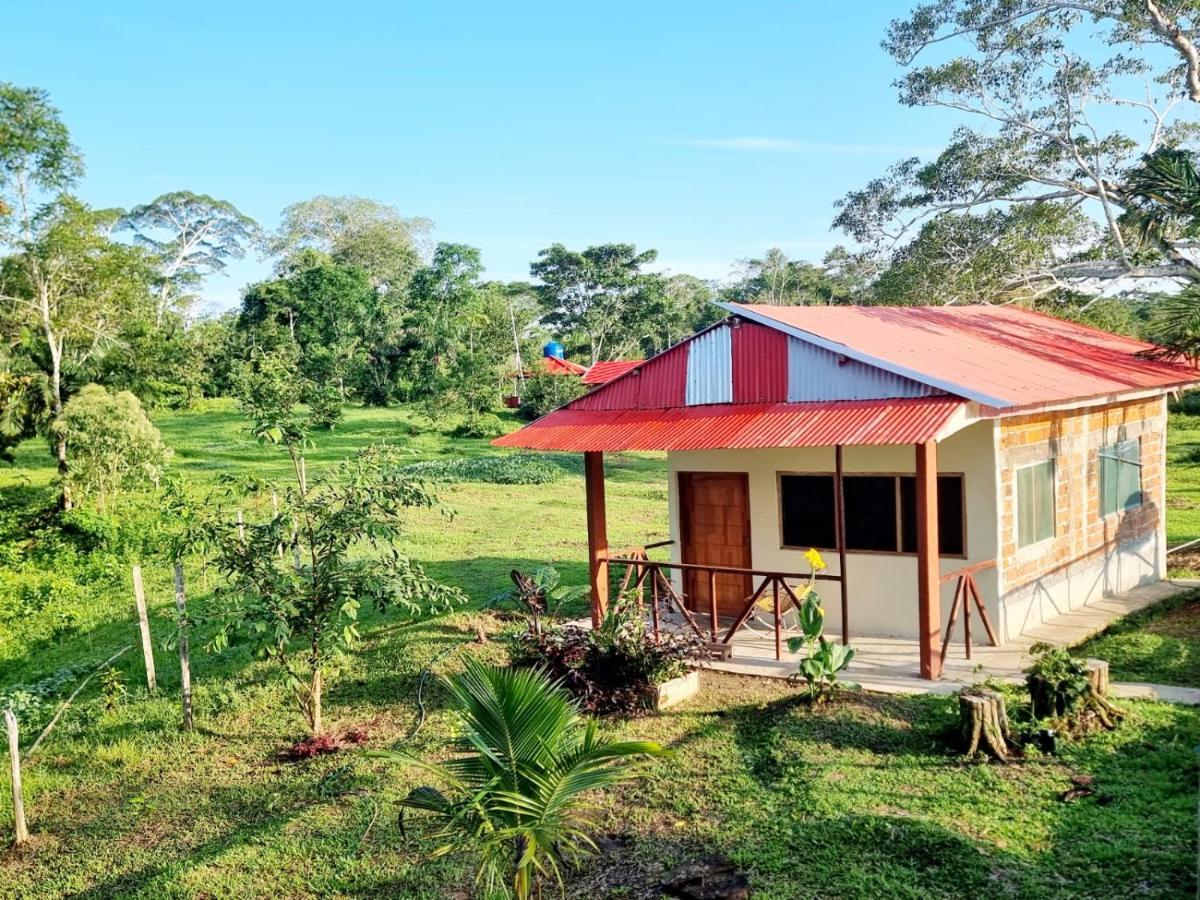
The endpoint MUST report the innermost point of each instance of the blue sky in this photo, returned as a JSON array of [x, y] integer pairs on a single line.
[[709, 131]]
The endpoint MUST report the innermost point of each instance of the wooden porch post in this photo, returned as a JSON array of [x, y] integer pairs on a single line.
[[597, 528], [929, 605], [839, 510]]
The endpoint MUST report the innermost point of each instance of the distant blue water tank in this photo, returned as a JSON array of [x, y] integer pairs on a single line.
[[555, 349]]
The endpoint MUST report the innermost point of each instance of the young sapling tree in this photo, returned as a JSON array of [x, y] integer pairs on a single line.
[[300, 609]]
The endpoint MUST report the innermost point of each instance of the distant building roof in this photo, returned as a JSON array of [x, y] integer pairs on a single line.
[[778, 376], [556, 365], [606, 370]]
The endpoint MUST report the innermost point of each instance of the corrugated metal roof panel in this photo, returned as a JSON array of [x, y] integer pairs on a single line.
[[760, 364], [655, 384], [738, 426], [816, 374], [606, 370], [556, 365], [1001, 356], [710, 368]]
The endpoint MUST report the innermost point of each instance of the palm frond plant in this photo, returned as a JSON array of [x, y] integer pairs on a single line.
[[515, 793]]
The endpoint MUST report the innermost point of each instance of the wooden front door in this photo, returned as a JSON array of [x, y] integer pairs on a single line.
[[714, 519]]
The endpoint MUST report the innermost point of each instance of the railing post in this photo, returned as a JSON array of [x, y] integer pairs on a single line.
[[778, 620], [712, 605], [966, 579], [654, 575]]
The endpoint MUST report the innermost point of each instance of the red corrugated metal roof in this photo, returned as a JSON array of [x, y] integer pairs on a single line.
[[738, 426], [760, 364], [555, 365], [658, 383], [1000, 356], [606, 370]]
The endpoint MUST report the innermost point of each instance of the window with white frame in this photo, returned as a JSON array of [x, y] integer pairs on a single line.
[[1120, 476], [1035, 503]]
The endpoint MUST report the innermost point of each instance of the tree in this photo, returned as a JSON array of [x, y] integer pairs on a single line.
[[36, 158], [440, 295], [112, 444], [68, 290], [296, 580], [355, 231], [319, 305], [778, 281], [191, 236], [1070, 94], [526, 759], [600, 297]]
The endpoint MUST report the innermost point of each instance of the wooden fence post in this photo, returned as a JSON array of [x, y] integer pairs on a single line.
[[185, 668], [21, 834], [139, 599]]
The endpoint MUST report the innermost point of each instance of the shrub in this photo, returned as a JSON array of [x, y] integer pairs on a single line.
[[1057, 681], [479, 425], [111, 444], [520, 468], [544, 392], [324, 405], [611, 670]]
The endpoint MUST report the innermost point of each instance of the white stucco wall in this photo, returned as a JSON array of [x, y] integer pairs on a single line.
[[882, 587]]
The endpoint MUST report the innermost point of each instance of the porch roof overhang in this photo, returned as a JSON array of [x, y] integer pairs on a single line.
[[740, 426]]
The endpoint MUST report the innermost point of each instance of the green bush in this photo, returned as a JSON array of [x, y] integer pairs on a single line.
[[479, 425], [520, 468], [544, 392], [111, 444]]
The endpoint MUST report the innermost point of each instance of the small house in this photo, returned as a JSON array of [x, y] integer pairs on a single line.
[[1016, 458]]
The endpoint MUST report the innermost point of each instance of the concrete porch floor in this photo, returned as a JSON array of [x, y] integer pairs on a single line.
[[889, 665]]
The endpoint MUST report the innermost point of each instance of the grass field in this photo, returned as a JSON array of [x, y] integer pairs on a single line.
[[863, 798]]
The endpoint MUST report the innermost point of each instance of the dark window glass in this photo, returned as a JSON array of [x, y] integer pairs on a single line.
[[871, 515], [808, 514], [950, 514], [871, 512]]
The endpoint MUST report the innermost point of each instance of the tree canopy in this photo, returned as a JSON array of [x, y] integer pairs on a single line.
[[1035, 199]]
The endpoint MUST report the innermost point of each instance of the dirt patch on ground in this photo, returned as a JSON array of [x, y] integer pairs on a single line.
[[1183, 622]]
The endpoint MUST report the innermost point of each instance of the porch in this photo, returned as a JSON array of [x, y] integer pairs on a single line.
[[885, 664], [710, 585]]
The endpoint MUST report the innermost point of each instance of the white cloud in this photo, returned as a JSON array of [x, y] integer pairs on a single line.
[[788, 145]]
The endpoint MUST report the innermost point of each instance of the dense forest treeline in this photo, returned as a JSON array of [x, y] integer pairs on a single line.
[[1043, 205]]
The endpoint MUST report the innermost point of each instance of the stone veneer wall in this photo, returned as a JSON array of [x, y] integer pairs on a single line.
[[1089, 555]]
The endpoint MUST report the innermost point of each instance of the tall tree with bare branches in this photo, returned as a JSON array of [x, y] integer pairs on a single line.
[[192, 236], [1033, 200]]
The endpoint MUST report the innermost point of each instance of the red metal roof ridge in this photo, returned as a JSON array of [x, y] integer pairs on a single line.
[[764, 314]]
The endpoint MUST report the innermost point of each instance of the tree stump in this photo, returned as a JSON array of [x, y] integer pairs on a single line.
[[984, 721], [1097, 701]]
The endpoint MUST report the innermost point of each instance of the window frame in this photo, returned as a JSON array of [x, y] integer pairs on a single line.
[[896, 476], [1039, 542], [1100, 458]]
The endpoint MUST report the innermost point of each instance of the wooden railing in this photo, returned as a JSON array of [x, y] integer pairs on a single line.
[[966, 592], [641, 573]]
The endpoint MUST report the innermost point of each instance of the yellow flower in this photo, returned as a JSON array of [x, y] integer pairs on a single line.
[[821, 610], [814, 559]]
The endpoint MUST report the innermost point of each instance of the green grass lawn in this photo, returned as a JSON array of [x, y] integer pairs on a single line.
[[862, 798], [1160, 645]]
